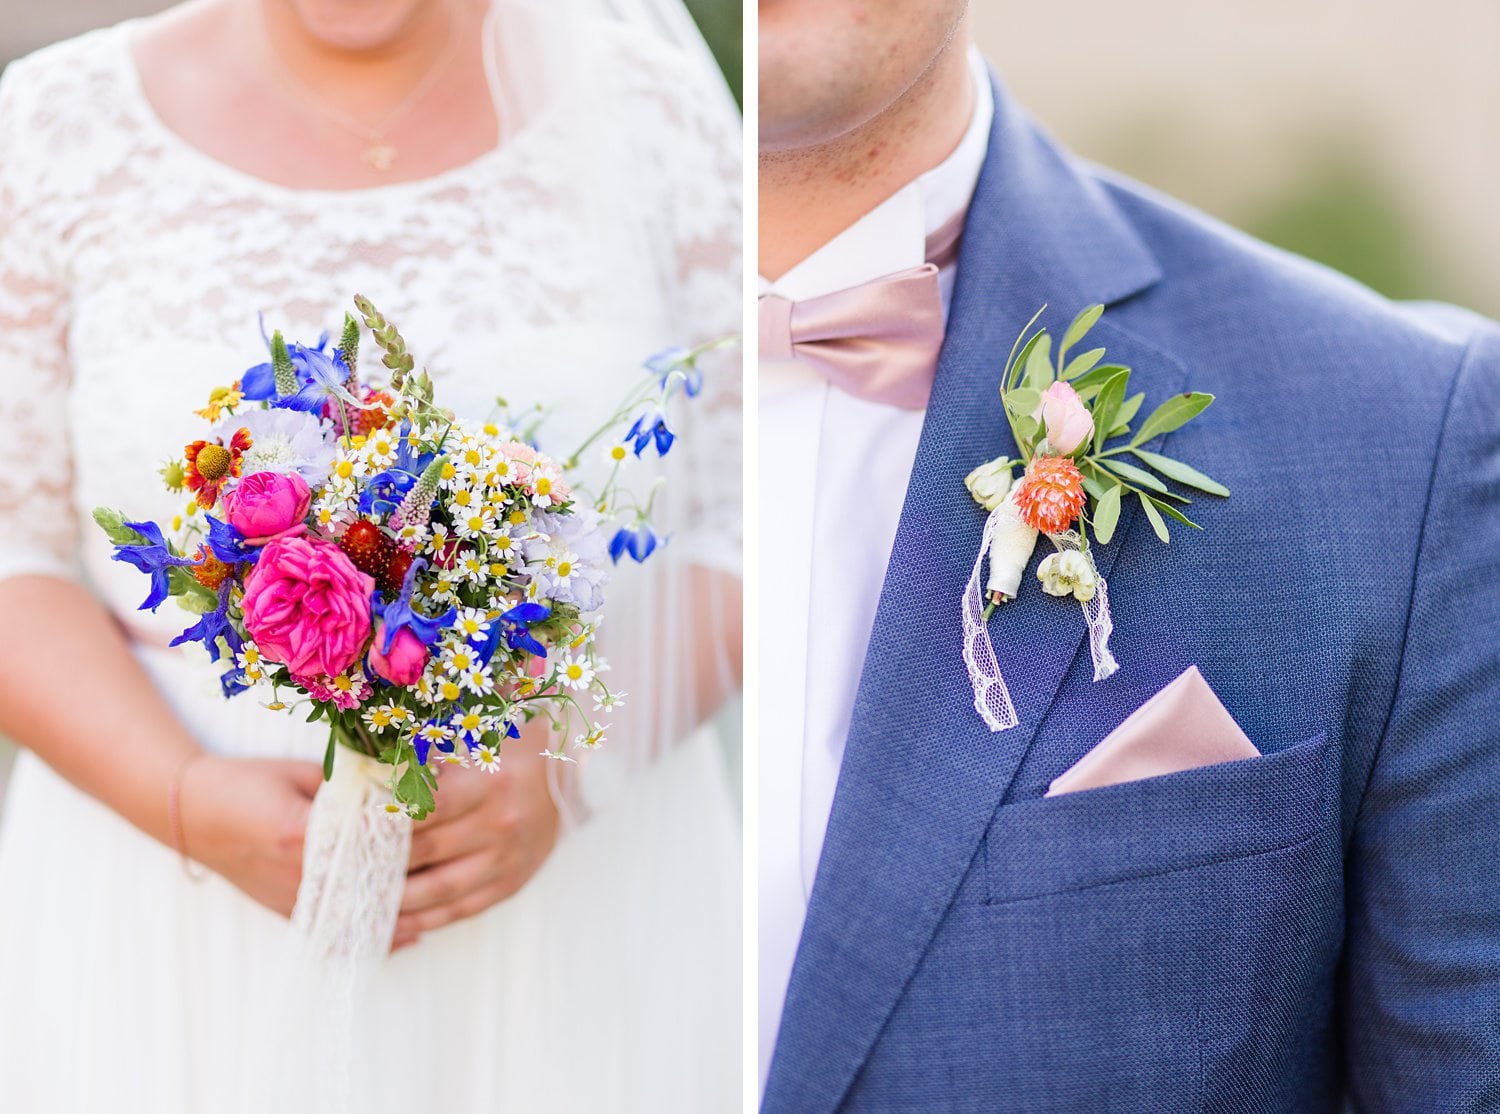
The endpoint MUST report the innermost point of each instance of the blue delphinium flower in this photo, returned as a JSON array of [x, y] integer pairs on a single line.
[[384, 491], [321, 376], [639, 541], [234, 682], [651, 427], [399, 615], [514, 629], [153, 557], [213, 625], [670, 360], [228, 544]]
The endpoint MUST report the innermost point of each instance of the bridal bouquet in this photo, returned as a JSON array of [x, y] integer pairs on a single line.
[[426, 583]]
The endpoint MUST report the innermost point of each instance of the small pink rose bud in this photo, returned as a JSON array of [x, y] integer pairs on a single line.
[[406, 660], [1065, 417]]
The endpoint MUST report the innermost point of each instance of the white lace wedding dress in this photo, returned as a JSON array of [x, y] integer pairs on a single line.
[[603, 227]]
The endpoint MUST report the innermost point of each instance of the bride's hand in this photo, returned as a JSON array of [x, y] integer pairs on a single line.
[[489, 835], [245, 819]]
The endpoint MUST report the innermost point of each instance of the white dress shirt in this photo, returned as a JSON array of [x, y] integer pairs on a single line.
[[833, 475]]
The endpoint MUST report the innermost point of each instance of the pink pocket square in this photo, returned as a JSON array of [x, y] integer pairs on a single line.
[[1182, 727]]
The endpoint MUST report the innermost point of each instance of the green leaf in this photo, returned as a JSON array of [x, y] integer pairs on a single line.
[[1011, 361], [1127, 411], [1111, 395], [328, 757], [317, 712], [1027, 430], [1039, 373], [1081, 363], [197, 598], [1155, 516], [1182, 473], [1138, 476], [1096, 488], [1176, 412], [1107, 514], [1075, 332], [1023, 401], [1167, 508], [1020, 360], [411, 789]]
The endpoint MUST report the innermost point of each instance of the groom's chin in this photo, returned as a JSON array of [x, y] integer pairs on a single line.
[[828, 67]]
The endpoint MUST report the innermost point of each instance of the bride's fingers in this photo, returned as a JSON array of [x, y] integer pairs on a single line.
[[437, 843], [447, 883], [471, 904]]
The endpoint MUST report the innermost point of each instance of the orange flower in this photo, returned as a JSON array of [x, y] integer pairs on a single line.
[[210, 572], [1050, 496], [210, 464]]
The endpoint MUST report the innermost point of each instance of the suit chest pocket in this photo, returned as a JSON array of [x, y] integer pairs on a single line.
[[1056, 845]]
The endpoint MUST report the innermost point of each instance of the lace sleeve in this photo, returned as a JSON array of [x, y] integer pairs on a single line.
[[38, 529]]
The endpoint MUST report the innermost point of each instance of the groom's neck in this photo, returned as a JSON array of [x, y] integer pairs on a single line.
[[809, 195]]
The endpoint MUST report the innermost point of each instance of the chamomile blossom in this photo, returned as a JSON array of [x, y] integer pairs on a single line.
[[468, 724], [250, 662], [592, 739], [486, 758], [477, 680], [381, 717], [575, 672], [610, 700]]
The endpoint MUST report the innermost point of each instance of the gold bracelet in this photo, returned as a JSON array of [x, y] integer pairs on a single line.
[[174, 819]]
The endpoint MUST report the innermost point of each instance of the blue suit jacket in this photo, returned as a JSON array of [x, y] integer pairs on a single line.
[[1276, 934]]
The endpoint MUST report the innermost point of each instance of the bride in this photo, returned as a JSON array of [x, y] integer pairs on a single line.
[[541, 198]]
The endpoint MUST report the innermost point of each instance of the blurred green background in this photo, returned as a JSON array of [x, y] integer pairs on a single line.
[[1358, 132], [26, 25]]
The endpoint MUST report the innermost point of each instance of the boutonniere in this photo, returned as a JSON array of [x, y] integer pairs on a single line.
[[1081, 458]]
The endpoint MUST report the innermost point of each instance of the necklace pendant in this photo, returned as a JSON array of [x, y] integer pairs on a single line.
[[380, 154]]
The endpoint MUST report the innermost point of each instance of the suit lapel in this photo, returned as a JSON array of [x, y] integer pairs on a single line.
[[921, 774]]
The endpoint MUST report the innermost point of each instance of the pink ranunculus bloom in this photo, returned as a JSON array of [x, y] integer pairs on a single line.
[[406, 660], [307, 606], [1065, 417], [267, 505]]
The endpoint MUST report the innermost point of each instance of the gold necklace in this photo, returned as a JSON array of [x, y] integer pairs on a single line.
[[379, 152]]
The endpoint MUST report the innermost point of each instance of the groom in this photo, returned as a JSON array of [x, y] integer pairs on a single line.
[[1313, 924]]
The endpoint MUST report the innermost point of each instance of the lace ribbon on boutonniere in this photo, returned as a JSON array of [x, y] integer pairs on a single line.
[[1063, 414]]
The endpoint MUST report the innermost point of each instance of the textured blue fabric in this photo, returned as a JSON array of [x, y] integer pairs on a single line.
[[1314, 927]]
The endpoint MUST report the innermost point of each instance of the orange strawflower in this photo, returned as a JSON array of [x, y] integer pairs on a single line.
[[210, 572], [1050, 496], [211, 463]]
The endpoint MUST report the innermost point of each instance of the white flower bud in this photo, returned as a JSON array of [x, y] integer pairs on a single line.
[[1069, 573], [990, 483]]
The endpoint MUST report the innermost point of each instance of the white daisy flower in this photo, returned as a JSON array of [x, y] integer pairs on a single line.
[[477, 680], [574, 671], [610, 700], [485, 758], [592, 740], [472, 622]]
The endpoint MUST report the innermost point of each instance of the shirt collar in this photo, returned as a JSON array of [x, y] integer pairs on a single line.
[[893, 236]]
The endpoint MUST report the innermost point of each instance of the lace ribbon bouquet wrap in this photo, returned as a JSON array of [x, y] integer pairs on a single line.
[[423, 583]]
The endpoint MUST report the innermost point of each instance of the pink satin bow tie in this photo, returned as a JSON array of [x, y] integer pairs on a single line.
[[878, 341]]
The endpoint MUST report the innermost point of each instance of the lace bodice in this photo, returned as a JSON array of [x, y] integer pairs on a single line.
[[604, 227]]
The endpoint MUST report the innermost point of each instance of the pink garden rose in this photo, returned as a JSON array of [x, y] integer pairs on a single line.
[[1068, 422], [266, 505], [404, 664], [307, 606]]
